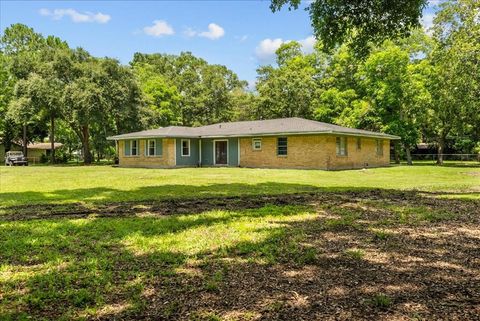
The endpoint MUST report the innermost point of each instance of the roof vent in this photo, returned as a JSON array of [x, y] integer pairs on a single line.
[[220, 126]]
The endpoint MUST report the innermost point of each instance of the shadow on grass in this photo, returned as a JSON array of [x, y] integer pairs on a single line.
[[102, 199], [274, 262]]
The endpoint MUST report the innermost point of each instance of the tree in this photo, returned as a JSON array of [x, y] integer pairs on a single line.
[[6, 93], [359, 22], [456, 62], [161, 97], [21, 46], [185, 89], [287, 91], [390, 81]]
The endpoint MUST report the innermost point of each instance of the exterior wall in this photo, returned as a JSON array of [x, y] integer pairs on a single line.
[[313, 151], [167, 159], [207, 152], [208, 148], [191, 160], [304, 151]]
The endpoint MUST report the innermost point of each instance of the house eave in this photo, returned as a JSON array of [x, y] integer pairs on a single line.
[[385, 136]]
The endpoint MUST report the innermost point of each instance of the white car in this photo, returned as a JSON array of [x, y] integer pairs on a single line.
[[15, 158]]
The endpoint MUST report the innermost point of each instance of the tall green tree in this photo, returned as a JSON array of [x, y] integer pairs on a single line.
[[288, 89], [456, 78], [21, 46], [102, 97], [185, 89], [359, 22]]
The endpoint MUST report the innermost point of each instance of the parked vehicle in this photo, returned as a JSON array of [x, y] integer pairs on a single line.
[[13, 158]]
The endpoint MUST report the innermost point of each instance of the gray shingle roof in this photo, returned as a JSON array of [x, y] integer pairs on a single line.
[[279, 126]]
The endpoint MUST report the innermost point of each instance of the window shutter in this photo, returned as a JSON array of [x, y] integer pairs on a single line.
[[126, 145], [158, 147]]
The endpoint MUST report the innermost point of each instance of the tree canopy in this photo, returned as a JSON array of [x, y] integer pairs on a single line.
[[359, 22], [424, 87]]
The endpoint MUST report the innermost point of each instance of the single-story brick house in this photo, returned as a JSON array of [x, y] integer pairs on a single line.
[[275, 143]]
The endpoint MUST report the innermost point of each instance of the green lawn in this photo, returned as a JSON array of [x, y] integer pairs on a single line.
[[33, 185], [381, 244]]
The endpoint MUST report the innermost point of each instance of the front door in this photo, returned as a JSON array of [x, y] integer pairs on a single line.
[[221, 152]]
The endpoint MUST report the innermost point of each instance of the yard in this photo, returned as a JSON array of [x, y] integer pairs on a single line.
[[240, 244]]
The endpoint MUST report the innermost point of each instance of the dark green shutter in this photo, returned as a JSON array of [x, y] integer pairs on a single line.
[[158, 146], [126, 145]]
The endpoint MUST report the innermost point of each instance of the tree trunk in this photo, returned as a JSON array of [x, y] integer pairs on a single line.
[[24, 142], [52, 139], [441, 150], [409, 155], [397, 153], [87, 155]]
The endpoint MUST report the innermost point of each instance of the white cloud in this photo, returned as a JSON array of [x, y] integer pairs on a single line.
[[266, 49], [75, 16], [308, 44], [427, 21], [160, 28], [214, 32]]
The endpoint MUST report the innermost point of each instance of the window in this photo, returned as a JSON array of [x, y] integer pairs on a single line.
[[134, 147], [282, 146], [151, 147], [257, 144], [342, 146], [359, 143], [379, 147], [185, 147]]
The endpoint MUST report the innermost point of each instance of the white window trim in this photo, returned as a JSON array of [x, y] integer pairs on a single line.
[[253, 143], [181, 147], [137, 153], [214, 153], [154, 148]]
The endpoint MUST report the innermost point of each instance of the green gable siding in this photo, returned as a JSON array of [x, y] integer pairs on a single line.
[[191, 160]]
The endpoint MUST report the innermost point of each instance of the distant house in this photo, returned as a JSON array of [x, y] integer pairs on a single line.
[[275, 143], [35, 151]]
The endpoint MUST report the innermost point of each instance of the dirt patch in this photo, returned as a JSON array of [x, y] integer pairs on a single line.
[[199, 205], [370, 255]]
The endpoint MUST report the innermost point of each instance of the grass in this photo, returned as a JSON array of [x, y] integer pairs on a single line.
[[80, 266], [97, 184], [381, 301], [271, 262]]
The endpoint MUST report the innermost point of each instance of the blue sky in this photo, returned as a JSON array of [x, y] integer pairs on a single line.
[[239, 34]]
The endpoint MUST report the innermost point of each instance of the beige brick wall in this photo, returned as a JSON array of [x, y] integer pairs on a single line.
[[167, 159], [313, 151]]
